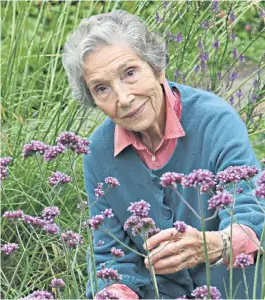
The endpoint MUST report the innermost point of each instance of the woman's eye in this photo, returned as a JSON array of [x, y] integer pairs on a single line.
[[131, 72], [100, 89]]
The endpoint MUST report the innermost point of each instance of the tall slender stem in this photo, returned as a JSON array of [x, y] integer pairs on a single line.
[[231, 247], [245, 283]]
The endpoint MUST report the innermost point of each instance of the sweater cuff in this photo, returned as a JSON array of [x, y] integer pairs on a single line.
[[245, 241]]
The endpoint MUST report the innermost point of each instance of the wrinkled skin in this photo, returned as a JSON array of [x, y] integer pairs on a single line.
[[119, 89], [172, 251]]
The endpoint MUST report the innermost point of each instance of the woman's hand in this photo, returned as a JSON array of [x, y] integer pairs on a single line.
[[172, 251]]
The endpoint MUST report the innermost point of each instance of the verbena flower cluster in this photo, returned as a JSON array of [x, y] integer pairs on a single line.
[[139, 221], [234, 174], [53, 151], [220, 200], [171, 179], [118, 253], [13, 215], [96, 221], [9, 248], [99, 192], [105, 294], [199, 177], [39, 295], [72, 239], [260, 189], [243, 260], [4, 162], [34, 147], [57, 283], [74, 142], [59, 178], [180, 226], [49, 213], [109, 274], [201, 292], [112, 181]]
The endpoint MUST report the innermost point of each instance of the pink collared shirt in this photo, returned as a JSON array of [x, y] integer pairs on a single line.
[[241, 242]]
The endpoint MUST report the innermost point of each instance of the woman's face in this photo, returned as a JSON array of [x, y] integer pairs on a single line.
[[121, 82]]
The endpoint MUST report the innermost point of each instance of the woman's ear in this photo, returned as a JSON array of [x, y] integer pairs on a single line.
[[162, 77]]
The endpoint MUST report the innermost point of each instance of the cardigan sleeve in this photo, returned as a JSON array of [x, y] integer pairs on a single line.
[[231, 147], [131, 265]]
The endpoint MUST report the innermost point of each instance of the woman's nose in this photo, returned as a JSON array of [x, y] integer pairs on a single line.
[[122, 94]]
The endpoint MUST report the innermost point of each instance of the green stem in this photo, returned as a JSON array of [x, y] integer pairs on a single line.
[[207, 264], [231, 247], [245, 283]]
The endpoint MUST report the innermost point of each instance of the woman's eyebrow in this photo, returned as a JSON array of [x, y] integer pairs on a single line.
[[122, 66]]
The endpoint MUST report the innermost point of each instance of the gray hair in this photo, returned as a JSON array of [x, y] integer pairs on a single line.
[[106, 29]]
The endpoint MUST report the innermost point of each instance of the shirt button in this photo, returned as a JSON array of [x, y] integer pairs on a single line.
[[167, 213], [153, 158]]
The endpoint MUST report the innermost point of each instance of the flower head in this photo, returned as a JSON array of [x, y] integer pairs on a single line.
[[140, 208], [105, 294], [33, 147], [74, 142], [56, 282], [152, 232], [50, 212], [12, 215], [216, 44], [201, 292], [108, 213], [4, 161], [180, 226], [205, 24], [117, 252], [215, 7], [51, 228], [179, 38], [220, 200], [99, 190], [112, 181], [109, 274], [171, 179], [261, 179], [243, 260], [232, 16], [8, 249], [96, 221], [39, 295], [198, 177], [235, 174], [72, 239], [59, 178], [260, 191], [53, 152], [33, 220]]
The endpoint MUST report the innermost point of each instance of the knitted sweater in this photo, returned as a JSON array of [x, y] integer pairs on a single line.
[[215, 138]]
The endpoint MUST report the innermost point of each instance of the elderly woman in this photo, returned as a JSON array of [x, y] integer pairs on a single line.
[[154, 126]]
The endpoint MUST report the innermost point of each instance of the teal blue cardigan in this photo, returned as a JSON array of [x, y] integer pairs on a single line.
[[215, 138]]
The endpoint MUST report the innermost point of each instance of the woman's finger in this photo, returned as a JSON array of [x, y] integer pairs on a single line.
[[162, 236]]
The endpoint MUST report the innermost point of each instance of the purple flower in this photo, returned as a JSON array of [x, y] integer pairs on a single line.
[[99, 190], [53, 152], [219, 75], [203, 56], [117, 252], [8, 249], [112, 181], [233, 36], [205, 24], [49, 213], [179, 38], [232, 16], [4, 161], [72, 239], [35, 221], [243, 260], [255, 83], [152, 232], [261, 13], [96, 221], [39, 295], [59, 178], [140, 208], [74, 142], [34, 147], [216, 44], [108, 213], [109, 274], [198, 177], [3, 173], [157, 18], [12, 215], [239, 94], [51, 228], [56, 282], [200, 44], [165, 4], [144, 226], [261, 179], [171, 179], [131, 222], [233, 76], [254, 97], [105, 294], [241, 57], [260, 191], [215, 6], [100, 243], [234, 53], [177, 73], [220, 200], [234, 174], [180, 226], [201, 292], [196, 69], [231, 99]]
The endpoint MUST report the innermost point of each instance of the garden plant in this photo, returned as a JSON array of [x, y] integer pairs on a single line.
[[46, 226]]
